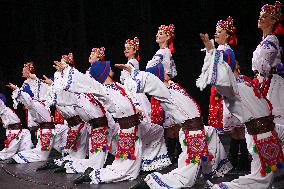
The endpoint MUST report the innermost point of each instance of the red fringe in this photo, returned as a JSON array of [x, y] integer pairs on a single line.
[[103, 58], [234, 40], [171, 47], [137, 57], [278, 29]]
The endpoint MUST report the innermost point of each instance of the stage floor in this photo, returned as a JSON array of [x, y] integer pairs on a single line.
[[24, 176]]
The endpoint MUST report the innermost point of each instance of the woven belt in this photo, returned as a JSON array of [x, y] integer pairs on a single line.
[[193, 124], [128, 122], [99, 122], [15, 126], [260, 125], [74, 121], [47, 125]]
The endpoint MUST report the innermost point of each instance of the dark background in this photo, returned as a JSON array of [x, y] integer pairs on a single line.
[[43, 30]]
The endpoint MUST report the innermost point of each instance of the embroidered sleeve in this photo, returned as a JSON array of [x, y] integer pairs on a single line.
[[2, 107], [157, 58], [229, 57], [25, 98], [15, 95], [265, 56], [83, 83], [217, 72], [134, 63], [151, 85]]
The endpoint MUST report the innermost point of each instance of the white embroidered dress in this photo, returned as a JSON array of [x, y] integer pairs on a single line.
[[266, 56], [185, 175], [19, 139], [242, 102], [38, 114]]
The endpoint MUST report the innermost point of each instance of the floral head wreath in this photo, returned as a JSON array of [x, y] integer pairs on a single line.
[[273, 10], [229, 26], [68, 59], [30, 66], [133, 43], [169, 30], [100, 51]]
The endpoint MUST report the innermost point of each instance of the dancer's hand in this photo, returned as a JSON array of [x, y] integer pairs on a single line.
[[46, 80], [205, 39], [124, 67], [12, 86]]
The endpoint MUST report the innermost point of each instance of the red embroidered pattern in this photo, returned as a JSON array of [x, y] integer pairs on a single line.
[[58, 118], [270, 152], [99, 140], [197, 148], [11, 137], [215, 117], [126, 141], [72, 138], [126, 145], [258, 93], [157, 112], [45, 139]]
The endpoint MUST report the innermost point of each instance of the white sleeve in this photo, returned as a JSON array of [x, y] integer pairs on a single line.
[[66, 98], [152, 85], [2, 107], [9, 117], [157, 58], [84, 83], [265, 55], [15, 95], [37, 110], [217, 72]]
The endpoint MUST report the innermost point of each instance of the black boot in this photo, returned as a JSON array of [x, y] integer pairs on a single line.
[[50, 164], [85, 177], [62, 168], [244, 163], [171, 143], [10, 161], [234, 153], [178, 150], [140, 185]]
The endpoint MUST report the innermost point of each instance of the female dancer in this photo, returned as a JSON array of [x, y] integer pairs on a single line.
[[245, 101]]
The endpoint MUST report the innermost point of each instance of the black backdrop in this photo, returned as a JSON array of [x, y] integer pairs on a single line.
[[42, 31]]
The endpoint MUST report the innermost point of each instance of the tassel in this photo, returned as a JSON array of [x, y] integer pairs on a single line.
[[255, 149], [104, 148], [267, 169], [273, 168], [279, 165], [184, 142], [197, 160], [204, 158], [262, 172], [187, 161]]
